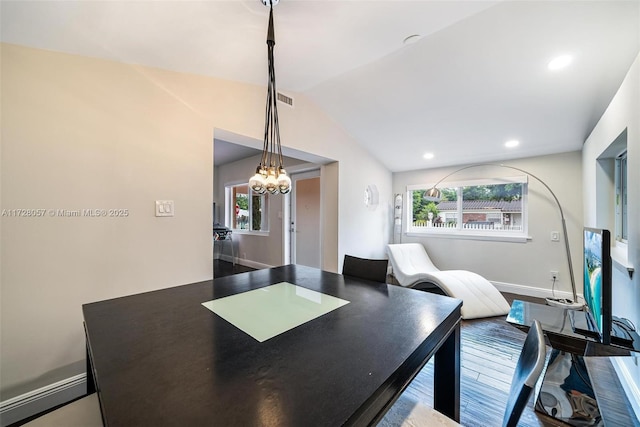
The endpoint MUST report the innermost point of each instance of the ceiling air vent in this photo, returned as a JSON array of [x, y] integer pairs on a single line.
[[286, 99]]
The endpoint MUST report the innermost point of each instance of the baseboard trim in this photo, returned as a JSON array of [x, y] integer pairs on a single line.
[[253, 264], [245, 262], [531, 291], [36, 401], [628, 384]]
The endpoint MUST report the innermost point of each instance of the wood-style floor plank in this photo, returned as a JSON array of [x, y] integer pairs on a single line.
[[489, 352]]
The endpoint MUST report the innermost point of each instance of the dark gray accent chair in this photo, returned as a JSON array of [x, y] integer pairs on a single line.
[[363, 268]]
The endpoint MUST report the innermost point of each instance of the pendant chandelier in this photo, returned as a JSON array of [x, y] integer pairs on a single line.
[[270, 174]]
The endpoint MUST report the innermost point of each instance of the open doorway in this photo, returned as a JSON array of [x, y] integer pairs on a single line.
[[235, 159]]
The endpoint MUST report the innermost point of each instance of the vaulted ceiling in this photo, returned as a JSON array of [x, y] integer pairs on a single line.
[[474, 76]]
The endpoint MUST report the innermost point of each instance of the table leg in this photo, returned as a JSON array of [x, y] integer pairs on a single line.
[[233, 256], [91, 383], [446, 374]]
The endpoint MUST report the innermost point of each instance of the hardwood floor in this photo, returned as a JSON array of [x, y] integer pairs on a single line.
[[489, 352], [225, 268]]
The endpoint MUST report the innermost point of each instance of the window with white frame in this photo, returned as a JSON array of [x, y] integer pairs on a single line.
[[478, 207], [246, 210], [621, 197]]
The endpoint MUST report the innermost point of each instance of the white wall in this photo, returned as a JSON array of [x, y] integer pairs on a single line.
[[525, 265], [85, 133], [362, 231], [623, 113]]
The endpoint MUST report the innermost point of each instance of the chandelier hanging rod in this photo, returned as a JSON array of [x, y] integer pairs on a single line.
[[270, 174]]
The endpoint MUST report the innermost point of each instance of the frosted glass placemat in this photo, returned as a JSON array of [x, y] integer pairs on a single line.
[[266, 312]]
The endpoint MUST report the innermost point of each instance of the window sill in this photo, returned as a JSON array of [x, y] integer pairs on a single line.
[[239, 232], [471, 236], [620, 259]]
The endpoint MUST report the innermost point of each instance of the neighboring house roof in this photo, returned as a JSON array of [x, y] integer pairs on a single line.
[[482, 205]]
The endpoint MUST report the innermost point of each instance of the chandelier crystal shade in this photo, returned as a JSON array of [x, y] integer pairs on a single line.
[[270, 174]]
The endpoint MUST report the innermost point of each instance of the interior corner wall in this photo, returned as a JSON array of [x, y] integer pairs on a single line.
[[525, 265], [330, 206], [369, 227], [83, 134], [361, 231], [622, 113]]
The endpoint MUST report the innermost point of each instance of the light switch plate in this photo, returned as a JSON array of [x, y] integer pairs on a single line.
[[164, 208]]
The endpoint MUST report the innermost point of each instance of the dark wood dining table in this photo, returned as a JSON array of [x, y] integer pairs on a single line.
[[162, 358]]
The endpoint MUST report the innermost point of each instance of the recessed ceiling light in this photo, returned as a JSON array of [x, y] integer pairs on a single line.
[[428, 156], [559, 62], [512, 143], [413, 38]]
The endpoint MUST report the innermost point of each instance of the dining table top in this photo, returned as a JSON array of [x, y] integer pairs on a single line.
[[225, 351]]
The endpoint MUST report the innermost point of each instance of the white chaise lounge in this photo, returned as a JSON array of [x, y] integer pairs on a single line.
[[413, 268]]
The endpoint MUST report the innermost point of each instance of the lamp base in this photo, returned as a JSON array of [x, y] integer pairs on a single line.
[[564, 303]]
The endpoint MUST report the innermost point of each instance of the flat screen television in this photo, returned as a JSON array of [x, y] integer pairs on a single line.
[[597, 281]]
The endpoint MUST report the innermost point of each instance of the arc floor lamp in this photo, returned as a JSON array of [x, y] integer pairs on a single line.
[[434, 194]]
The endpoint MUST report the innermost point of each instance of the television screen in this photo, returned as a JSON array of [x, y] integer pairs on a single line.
[[597, 280]]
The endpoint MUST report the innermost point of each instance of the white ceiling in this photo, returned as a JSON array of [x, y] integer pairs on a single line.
[[475, 79]]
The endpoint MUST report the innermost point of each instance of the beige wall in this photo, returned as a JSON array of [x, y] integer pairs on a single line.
[[81, 133]]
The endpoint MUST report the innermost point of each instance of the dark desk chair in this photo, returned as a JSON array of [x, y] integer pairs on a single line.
[[528, 371], [368, 269]]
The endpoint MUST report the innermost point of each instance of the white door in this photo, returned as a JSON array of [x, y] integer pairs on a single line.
[[305, 219]]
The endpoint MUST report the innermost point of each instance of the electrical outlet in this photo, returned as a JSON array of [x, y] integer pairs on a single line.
[[553, 275]]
